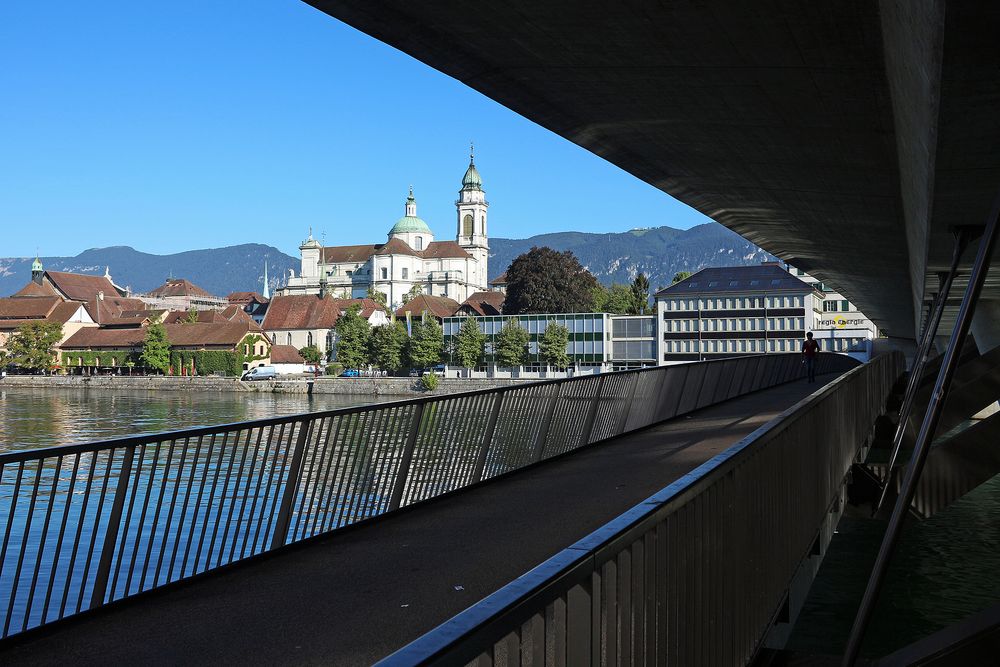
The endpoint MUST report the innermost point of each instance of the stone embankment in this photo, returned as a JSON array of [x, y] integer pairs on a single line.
[[388, 386]]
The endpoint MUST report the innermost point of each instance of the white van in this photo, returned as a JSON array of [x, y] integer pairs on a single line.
[[260, 373]]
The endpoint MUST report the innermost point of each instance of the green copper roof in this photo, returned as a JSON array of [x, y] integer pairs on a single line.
[[36, 265], [472, 179], [410, 222]]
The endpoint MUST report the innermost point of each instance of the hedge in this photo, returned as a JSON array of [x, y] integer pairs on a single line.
[[207, 362]]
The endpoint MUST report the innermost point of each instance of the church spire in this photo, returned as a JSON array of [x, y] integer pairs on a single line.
[[36, 270], [267, 288]]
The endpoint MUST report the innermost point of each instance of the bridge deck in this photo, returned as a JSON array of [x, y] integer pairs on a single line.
[[357, 596]]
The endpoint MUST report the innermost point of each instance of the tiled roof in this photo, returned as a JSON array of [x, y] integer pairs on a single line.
[[444, 249], [34, 289], [228, 314], [285, 354], [212, 334], [178, 287], [78, 287], [243, 298], [486, 303], [301, 311], [348, 253], [25, 309], [760, 278], [394, 246], [438, 306], [368, 306], [500, 280], [112, 307]]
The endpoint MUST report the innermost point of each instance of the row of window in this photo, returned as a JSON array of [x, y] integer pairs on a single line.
[[734, 303], [757, 346], [535, 324], [633, 350], [737, 324], [638, 327], [835, 306]]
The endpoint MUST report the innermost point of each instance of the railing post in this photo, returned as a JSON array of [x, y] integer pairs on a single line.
[[404, 463], [543, 429], [292, 483], [627, 408], [588, 425], [111, 534], [491, 428]]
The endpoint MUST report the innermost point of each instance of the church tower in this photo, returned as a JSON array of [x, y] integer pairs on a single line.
[[472, 235]]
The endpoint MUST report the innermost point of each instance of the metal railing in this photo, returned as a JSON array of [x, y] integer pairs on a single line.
[[87, 524], [695, 574]]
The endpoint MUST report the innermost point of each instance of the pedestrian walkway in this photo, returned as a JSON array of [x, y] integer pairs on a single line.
[[356, 596]]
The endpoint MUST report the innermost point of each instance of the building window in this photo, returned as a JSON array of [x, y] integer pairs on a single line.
[[385, 273], [309, 339], [467, 225], [288, 338], [406, 273], [830, 306], [420, 242], [845, 305]]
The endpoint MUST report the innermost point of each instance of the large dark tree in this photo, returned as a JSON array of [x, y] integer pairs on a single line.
[[545, 281]]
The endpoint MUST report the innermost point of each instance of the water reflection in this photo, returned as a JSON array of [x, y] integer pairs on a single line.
[[31, 418]]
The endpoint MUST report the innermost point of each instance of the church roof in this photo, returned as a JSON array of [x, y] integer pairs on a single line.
[[301, 311], [443, 249], [79, 287], [472, 180], [34, 289], [410, 223], [362, 253]]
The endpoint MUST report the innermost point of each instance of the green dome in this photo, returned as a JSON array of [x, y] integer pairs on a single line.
[[410, 223], [36, 265], [472, 179]]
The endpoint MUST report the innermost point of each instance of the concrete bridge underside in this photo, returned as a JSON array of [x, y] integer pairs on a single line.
[[849, 139], [364, 592]]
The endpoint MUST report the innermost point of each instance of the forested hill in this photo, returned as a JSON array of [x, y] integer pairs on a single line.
[[218, 270], [659, 252]]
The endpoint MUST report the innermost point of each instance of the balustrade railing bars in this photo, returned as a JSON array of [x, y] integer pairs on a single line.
[[696, 573], [88, 524]]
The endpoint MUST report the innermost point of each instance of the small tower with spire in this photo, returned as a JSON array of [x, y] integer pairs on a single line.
[[37, 271], [472, 230], [267, 287], [310, 251]]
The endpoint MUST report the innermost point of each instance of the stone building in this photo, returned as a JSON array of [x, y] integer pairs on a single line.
[[410, 257], [302, 320], [181, 294]]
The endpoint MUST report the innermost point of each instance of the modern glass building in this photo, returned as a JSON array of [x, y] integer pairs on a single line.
[[589, 335]]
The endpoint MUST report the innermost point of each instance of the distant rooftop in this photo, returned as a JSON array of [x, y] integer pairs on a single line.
[[761, 278]]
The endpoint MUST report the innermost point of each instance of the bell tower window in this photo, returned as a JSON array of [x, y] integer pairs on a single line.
[[467, 225]]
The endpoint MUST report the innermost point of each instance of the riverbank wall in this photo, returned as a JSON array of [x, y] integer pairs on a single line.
[[383, 386]]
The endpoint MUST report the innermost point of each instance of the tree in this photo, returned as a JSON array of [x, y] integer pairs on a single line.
[[470, 344], [378, 297], [311, 354], [545, 281], [156, 348], [426, 344], [353, 338], [552, 345], [679, 276], [192, 316], [640, 294], [618, 299], [387, 345], [414, 292], [31, 345], [511, 347]]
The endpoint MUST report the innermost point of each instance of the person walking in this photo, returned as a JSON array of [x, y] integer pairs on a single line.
[[810, 350]]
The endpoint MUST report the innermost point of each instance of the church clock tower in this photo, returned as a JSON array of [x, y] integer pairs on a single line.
[[472, 235]]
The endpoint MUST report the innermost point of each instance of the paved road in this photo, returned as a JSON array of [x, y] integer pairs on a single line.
[[355, 597]]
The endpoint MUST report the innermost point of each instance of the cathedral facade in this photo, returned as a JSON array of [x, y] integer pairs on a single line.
[[410, 257]]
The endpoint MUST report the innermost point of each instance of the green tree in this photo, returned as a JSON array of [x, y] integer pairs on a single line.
[[387, 346], [192, 316], [599, 293], [426, 344], [378, 297], [618, 299], [470, 344], [31, 345], [511, 347], [640, 294], [311, 354], [545, 281], [353, 338], [552, 345], [414, 292], [679, 276], [156, 348]]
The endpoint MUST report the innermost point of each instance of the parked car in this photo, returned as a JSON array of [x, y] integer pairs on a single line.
[[260, 373], [437, 370], [350, 373]]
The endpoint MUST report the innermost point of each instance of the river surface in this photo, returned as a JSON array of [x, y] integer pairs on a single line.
[[31, 418]]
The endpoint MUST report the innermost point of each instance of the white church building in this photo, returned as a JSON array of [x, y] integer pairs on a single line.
[[411, 256]]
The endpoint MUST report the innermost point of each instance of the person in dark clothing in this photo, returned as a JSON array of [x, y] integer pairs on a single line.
[[810, 350]]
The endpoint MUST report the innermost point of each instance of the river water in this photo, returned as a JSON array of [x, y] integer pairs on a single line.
[[31, 418]]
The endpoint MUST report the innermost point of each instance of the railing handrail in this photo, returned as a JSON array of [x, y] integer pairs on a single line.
[[162, 436], [503, 608]]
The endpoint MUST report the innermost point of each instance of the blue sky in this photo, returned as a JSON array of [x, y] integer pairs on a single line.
[[176, 126]]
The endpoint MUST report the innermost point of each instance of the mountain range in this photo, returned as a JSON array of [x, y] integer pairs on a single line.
[[659, 252]]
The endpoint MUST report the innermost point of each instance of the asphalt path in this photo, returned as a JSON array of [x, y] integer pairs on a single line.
[[354, 597]]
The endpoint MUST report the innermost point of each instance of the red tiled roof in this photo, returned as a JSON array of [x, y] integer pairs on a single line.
[[178, 287], [348, 253], [285, 354], [438, 306], [368, 306], [444, 249], [91, 337], [112, 307], [24, 309], [211, 334], [394, 246], [34, 289], [302, 311], [79, 287], [500, 280], [485, 303], [243, 298]]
